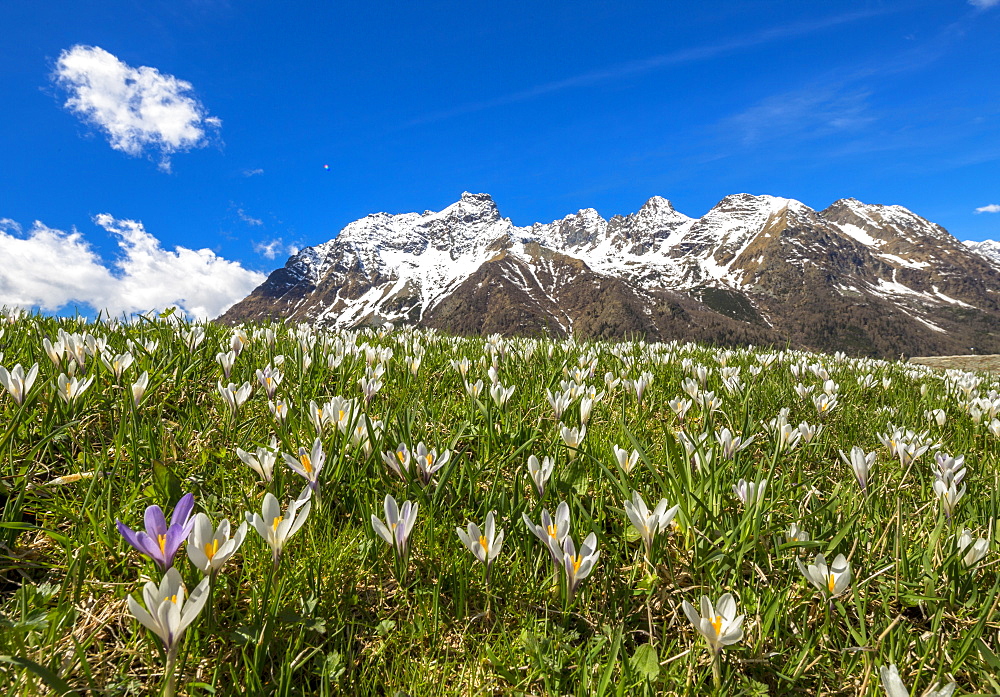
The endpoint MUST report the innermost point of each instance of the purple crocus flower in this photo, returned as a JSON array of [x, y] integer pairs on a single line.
[[160, 542]]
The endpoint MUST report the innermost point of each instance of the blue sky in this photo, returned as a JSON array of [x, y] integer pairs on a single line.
[[548, 106]]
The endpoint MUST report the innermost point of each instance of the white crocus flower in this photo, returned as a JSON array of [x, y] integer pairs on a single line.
[[209, 549], [579, 566], [750, 493], [832, 580], [540, 472], [625, 459], [234, 397], [17, 383], [975, 552], [796, 535], [647, 523], [167, 614], [308, 464], [139, 388], [949, 495], [894, 687], [71, 388], [276, 527], [552, 531], [861, 463], [729, 444], [484, 544], [719, 624], [261, 462], [118, 364], [573, 438], [398, 525]]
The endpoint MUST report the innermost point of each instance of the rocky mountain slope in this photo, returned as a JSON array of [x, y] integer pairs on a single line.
[[865, 279]]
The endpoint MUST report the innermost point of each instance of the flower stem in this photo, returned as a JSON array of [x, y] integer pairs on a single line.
[[717, 670], [168, 674]]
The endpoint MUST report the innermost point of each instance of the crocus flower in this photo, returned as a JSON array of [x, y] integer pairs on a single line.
[[167, 614], [719, 624], [139, 388], [269, 378], [796, 535], [397, 526], [262, 461], [308, 464], [540, 472], [949, 495], [398, 460], [573, 438], [861, 463], [234, 396], [17, 383], [977, 550], [209, 548], [276, 528], [160, 542], [552, 531], [894, 687], [625, 459], [750, 492], [484, 544], [648, 524], [118, 364], [69, 388], [729, 444], [831, 581], [579, 566], [428, 462]]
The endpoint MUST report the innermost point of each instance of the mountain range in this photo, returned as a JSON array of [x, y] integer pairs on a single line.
[[866, 279]]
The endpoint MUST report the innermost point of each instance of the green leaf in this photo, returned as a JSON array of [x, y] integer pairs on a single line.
[[48, 677], [167, 484], [646, 662]]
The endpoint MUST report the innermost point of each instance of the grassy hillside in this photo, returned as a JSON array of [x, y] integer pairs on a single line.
[[411, 415]]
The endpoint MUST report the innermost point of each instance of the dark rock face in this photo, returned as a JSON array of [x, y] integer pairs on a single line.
[[864, 279]]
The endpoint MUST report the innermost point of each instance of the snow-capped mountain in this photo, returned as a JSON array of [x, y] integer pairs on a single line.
[[863, 278], [987, 248]]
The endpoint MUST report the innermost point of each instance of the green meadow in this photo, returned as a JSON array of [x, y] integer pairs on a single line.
[[865, 564]]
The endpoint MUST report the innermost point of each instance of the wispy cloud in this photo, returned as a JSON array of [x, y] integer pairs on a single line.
[[49, 269], [139, 109], [985, 4], [992, 208], [248, 219], [272, 249], [253, 172], [805, 114], [665, 60]]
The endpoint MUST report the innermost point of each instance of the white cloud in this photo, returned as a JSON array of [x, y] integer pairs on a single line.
[[984, 3], [50, 269], [992, 208], [247, 218], [252, 172], [140, 109], [273, 248]]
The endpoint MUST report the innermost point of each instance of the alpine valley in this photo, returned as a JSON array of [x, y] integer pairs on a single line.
[[864, 279]]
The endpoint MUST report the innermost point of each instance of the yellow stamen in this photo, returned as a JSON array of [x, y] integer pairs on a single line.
[[306, 463], [830, 583], [717, 624], [162, 539], [399, 454], [552, 530], [173, 599], [576, 561], [484, 543], [211, 549], [277, 522]]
